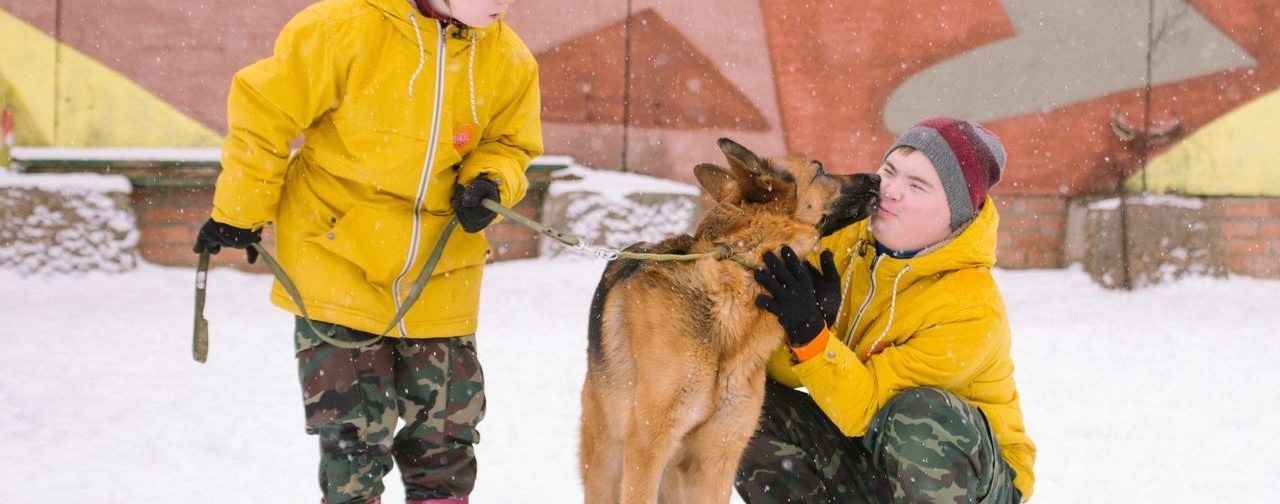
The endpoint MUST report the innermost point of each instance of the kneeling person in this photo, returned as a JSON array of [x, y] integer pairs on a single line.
[[901, 339]]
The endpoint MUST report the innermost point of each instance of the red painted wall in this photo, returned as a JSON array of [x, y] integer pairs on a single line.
[[781, 76]]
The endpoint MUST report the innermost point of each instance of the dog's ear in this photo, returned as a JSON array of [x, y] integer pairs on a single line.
[[716, 180], [755, 179]]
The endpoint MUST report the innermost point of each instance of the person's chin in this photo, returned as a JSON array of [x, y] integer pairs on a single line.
[[484, 22], [878, 221], [883, 228]]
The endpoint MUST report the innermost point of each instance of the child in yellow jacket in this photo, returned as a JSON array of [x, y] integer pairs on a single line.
[[901, 339], [411, 113]]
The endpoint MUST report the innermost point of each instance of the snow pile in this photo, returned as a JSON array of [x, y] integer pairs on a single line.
[[61, 223], [615, 210]]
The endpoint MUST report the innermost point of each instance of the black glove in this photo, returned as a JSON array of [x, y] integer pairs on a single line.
[[466, 204], [826, 285], [215, 235], [794, 300]]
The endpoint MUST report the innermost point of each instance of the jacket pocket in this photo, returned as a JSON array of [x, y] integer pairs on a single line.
[[377, 241], [373, 239]]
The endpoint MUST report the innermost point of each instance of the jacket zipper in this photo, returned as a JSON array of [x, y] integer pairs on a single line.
[[848, 339], [424, 181]]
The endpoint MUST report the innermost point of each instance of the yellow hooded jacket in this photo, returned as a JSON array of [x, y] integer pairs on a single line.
[[394, 110], [934, 320]]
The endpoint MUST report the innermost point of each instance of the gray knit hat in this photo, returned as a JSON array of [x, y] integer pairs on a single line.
[[969, 160]]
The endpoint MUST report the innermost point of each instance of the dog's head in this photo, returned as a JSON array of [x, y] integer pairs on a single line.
[[794, 186]]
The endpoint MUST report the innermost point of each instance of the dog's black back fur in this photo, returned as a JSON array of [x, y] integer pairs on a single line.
[[619, 270]]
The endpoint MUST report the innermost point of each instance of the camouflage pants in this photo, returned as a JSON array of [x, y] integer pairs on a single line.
[[925, 445], [352, 399]]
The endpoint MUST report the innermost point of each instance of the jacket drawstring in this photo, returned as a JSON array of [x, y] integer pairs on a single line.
[[422, 52], [893, 303], [471, 79], [471, 65]]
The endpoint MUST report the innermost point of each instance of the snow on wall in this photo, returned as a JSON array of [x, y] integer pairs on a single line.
[[66, 224], [615, 210]]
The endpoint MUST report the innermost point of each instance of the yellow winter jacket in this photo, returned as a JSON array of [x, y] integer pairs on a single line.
[[386, 102], [935, 320]]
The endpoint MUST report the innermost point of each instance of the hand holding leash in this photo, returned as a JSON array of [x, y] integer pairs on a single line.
[[215, 235], [472, 215], [794, 300]]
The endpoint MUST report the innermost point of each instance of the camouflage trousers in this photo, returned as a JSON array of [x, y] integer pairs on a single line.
[[925, 445], [353, 398]]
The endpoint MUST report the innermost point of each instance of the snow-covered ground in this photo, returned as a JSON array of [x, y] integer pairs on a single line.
[[1169, 394]]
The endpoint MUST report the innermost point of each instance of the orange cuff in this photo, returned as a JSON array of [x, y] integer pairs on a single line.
[[813, 348]]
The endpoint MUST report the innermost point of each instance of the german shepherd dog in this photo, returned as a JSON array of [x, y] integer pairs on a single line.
[[677, 350]]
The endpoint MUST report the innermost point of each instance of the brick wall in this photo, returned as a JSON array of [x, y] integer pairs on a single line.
[[1237, 235], [1032, 231], [169, 218], [1250, 231], [510, 240], [1036, 232], [1172, 237]]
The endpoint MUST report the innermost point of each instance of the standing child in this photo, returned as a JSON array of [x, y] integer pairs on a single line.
[[410, 114], [902, 343]]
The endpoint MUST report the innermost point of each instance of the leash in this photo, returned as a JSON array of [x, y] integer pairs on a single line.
[[200, 338], [720, 253]]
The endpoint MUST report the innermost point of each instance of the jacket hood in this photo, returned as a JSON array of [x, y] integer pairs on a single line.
[[400, 12]]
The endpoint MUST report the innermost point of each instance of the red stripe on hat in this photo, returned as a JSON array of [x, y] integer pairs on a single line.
[[975, 178], [986, 158]]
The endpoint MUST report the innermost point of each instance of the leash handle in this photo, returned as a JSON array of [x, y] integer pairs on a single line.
[[562, 237], [200, 335]]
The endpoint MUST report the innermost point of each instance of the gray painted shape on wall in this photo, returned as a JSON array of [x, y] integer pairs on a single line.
[[1065, 53]]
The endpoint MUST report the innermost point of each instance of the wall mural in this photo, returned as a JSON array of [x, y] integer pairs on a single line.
[[1056, 122], [1062, 82], [81, 101]]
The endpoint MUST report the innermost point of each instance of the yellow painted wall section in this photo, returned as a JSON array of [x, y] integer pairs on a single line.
[[1237, 154], [26, 79], [97, 106]]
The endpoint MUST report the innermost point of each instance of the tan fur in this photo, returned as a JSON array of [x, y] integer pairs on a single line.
[[675, 376]]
